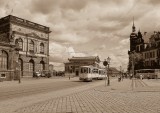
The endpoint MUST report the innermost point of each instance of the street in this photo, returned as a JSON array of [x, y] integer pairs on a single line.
[[62, 95], [37, 86]]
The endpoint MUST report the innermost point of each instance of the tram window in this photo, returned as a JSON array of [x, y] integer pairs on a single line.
[[85, 70], [81, 70]]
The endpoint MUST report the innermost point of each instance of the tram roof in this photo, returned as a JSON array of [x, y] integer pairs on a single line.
[[144, 69], [96, 58]]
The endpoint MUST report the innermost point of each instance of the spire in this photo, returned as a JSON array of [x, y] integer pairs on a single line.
[[139, 30], [133, 27]]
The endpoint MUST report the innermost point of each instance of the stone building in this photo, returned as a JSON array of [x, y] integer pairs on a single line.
[[72, 67], [144, 54], [24, 46]]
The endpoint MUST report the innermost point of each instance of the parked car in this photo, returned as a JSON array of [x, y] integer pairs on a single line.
[[36, 74], [46, 74]]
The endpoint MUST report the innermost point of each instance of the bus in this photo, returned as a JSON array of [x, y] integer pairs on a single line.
[[88, 73], [148, 73]]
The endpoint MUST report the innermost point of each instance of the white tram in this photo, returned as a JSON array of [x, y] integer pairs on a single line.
[[88, 73]]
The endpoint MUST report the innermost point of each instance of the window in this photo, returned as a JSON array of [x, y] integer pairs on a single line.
[[153, 54], [20, 43], [42, 48], [42, 65], [31, 66], [3, 60], [31, 46]]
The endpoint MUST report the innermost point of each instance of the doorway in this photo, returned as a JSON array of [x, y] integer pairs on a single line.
[[77, 73]]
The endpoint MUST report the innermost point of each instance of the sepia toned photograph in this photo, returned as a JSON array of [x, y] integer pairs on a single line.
[[79, 56]]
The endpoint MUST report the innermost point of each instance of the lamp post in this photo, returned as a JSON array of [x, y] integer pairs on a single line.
[[120, 72], [105, 63], [108, 60]]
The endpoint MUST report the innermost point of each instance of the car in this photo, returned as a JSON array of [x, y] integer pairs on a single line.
[[46, 74], [43, 74], [36, 74]]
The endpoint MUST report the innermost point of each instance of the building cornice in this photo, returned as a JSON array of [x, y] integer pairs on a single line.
[[29, 35], [26, 23]]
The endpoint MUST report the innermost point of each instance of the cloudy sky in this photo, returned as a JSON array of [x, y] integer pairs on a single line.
[[88, 27]]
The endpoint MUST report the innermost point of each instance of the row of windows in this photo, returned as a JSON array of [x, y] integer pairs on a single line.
[[31, 45], [32, 66], [150, 55], [150, 63], [4, 62]]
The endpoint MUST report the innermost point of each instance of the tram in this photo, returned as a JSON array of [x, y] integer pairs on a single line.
[[148, 73], [88, 73]]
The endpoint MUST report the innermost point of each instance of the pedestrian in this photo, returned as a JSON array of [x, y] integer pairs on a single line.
[[141, 76], [148, 76], [130, 76]]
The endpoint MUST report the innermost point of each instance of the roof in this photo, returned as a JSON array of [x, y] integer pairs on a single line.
[[85, 58], [27, 23]]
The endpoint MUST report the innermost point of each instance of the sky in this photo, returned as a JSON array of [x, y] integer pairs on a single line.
[[88, 27]]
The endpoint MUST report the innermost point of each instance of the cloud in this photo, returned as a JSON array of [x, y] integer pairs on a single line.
[[88, 27], [70, 37], [46, 7]]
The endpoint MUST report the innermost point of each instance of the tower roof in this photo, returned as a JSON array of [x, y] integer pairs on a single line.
[[133, 27]]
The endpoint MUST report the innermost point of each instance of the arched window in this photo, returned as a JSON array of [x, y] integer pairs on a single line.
[[31, 65], [3, 60], [31, 46], [42, 65], [42, 48], [20, 43]]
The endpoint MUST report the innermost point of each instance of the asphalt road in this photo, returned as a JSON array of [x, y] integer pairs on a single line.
[[38, 86]]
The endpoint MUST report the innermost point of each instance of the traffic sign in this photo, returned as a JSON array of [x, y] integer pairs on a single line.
[[105, 63]]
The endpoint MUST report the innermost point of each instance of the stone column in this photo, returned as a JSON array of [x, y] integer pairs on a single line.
[[11, 63]]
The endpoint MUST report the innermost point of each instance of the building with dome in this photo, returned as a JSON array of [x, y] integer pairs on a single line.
[[24, 46]]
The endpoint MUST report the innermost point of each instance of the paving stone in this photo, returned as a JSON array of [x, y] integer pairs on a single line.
[[119, 97]]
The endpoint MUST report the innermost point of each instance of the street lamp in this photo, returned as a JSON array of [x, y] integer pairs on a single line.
[[108, 60], [105, 63]]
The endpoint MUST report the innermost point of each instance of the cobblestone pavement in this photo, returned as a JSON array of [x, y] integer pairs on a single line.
[[120, 97], [127, 96], [11, 104]]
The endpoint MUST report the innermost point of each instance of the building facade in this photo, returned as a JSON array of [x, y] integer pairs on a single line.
[[144, 55], [72, 67], [24, 46]]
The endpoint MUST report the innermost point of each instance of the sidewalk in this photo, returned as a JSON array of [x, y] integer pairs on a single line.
[[92, 98], [116, 98]]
